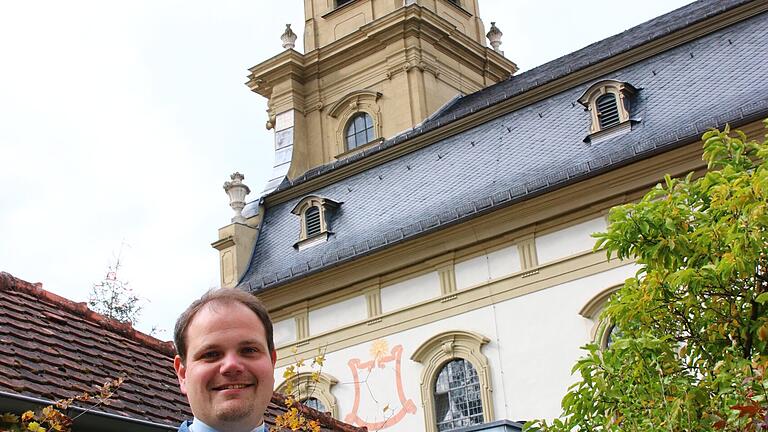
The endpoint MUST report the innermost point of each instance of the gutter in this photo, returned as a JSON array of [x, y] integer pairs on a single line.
[[110, 416]]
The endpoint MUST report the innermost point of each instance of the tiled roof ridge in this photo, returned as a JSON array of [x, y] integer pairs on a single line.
[[8, 282], [323, 418], [538, 185], [560, 67]]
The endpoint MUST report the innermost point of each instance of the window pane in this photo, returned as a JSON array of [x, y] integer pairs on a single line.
[[360, 122], [314, 403], [359, 131], [457, 396], [360, 138]]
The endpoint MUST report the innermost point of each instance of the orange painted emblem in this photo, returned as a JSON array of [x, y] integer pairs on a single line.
[[373, 380]]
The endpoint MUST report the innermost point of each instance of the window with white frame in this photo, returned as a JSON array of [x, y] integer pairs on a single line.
[[609, 103], [315, 215]]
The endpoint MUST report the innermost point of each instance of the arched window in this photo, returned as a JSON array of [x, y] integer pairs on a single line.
[[359, 131], [312, 390], [316, 214], [604, 332], [314, 403], [612, 333], [607, 110], [455, 381], [312, 221], [610, 108], [457, 396]]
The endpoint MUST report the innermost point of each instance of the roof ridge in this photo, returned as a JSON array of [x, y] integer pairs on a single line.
[[534, 77], [8, 282]]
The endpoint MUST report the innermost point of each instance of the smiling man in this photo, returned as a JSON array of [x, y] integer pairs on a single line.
[[225, 361]]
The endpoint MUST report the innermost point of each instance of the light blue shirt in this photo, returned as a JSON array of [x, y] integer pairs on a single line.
[[199, 426]]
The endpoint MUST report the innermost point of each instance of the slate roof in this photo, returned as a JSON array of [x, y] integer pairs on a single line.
[[682, 92], [52, 348]]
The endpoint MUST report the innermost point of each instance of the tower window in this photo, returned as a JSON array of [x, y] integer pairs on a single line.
[[359, 131], [340, 3]]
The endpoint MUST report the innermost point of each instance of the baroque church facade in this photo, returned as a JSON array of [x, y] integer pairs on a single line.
[[427, 226]]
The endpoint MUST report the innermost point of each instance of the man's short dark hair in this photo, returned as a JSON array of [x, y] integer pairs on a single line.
[[220, 296]]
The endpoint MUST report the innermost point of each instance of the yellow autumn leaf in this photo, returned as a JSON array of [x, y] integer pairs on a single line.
[[319, 360], [35, 427]]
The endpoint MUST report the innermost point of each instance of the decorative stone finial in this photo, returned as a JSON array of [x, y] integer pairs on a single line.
[[494, 36], [237, 191], [288, 38]]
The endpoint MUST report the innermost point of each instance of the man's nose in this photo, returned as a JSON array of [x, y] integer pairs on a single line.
[[231, 364]]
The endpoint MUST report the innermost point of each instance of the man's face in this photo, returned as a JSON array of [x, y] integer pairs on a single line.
[[229, 372]]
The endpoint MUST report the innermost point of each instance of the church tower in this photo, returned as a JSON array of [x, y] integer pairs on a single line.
[[371, 69]]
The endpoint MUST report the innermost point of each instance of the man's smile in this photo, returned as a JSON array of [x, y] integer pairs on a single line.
[[232, 387]]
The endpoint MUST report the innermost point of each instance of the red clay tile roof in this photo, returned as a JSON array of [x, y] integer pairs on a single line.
[[53, 348]]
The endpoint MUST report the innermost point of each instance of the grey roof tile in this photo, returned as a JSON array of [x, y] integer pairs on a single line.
[[532, 149]]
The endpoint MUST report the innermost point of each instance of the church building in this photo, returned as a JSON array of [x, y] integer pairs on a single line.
[[427, 226]]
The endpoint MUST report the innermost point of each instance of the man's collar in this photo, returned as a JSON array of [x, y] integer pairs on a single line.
[[199, 426]]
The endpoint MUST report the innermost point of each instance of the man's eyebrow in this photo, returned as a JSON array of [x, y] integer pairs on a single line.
[[207, 347], [252, 342]]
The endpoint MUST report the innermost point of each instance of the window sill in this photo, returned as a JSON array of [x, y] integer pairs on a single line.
[[337, 9], [611, 132], [360, 149], [459, 8], [312, 241]]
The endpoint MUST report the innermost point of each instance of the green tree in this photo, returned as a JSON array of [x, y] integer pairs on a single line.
[[691, 354]]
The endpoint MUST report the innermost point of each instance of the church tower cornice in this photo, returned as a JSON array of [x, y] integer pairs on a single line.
[[414, 58]]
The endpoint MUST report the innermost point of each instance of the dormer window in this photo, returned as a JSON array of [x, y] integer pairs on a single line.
[[315, 213], [609, 105], [312, 221], [607, 111]]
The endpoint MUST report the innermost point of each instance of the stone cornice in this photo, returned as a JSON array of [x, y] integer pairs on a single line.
[[525, 98], [408, 21]]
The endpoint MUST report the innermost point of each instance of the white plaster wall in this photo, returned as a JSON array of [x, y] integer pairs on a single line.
[[337, 315], [472, 272], [493, 265], [539, 341], [535, 341], [568, 241], [411, 291], [284, 331], [504, 262]]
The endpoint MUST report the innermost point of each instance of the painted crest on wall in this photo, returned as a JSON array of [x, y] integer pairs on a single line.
[[380, 400]]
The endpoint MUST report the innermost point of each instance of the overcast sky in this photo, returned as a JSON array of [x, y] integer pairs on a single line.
[[120, 121]]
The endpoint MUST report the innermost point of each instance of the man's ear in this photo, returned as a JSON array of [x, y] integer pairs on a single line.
[[181, 373], [274, 357]]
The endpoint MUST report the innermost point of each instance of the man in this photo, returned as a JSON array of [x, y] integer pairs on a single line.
[[225, 362]]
